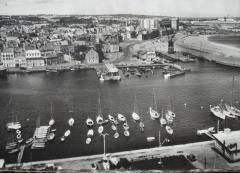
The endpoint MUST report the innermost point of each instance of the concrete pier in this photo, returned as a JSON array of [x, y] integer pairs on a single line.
[[206, 157]]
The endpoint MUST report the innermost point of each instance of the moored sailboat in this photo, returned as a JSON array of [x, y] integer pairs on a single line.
[[89, 122], [121, 118], [100, 129], [217, 111], [51, 121], [169, 130], [71, 122], [163, 120], [99, 118], [153, 113], [135, 116]]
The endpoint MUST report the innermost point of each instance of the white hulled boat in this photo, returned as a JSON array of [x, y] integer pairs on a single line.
[[71, 122], [51, 121], [51, 136], [125, 126], [217, 111], [141, 125], [163, 120], [171, 113], [90, 133], [235, 111], [113, 127], [13, 126], [126, 133], [228, 113], [111, 118], [89, 122], [100, 129], [121, 117], [169, 130], [116, 135], [135, 116], [154, 114], [99, 118], [169, 118], [88, 140], [67, 133]]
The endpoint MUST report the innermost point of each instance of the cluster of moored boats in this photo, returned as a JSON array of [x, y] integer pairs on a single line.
[[115, 122], [224, 110], [165, 121]]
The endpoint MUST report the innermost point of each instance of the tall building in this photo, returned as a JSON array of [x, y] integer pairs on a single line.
[[175, 23], [147, 23]]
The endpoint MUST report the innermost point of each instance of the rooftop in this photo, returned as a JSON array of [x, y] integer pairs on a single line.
[[230, 138]]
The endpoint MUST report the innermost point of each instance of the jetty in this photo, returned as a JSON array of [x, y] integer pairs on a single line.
[[40, 137], [20, 154]]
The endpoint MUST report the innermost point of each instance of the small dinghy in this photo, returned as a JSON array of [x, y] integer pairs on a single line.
[[116, 135], [121, 117], [90, 133], [125, 126], [135, 116], [99, 120], [126, 133], [171, 113], [62, 138], [163, 120], [105, 122], [51, 136], [113, 127], [71, 122], [89, 122], [53, 130], [13, 150], [100, 129], [88, 140], [116, 122], [169, 130], [154, 114], [169, 118], [13, 126], [29, 141], [141, 125], [67, 133], [51, 122], [111, 118]]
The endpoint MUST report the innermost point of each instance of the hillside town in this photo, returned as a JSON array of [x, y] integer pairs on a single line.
[[141, 51]]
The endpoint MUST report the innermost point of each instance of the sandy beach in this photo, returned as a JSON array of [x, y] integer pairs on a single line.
[[201, 46]]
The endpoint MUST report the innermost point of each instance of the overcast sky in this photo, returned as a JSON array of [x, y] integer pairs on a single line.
[[181, 8]]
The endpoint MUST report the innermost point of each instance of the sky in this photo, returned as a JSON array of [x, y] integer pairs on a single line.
[[178, 8]]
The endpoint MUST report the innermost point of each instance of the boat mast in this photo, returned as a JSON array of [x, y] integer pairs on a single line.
[[51, 111], [135, 104], [232, 90], [99, 106], [154, 99], [159, 138]]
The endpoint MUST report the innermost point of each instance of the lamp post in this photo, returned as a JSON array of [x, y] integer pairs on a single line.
[[104, 143], [160, 144]]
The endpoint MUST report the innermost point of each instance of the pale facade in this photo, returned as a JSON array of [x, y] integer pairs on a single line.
[[7, 58], [91, 57]]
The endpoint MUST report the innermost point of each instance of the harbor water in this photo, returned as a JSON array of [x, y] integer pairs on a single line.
[[26, 97]]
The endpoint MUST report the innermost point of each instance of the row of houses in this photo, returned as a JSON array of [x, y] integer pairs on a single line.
[[36, 58]]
